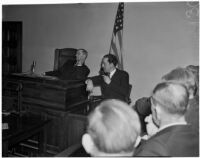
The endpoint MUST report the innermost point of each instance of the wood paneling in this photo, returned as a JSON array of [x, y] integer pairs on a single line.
[[55, 100], [11, 47]]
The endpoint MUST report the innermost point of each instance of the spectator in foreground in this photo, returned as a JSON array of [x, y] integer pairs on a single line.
[[113, 128], [174, 137], [187, 78], [195, 71]]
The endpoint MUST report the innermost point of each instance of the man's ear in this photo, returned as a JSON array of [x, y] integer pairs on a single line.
[[158, 113], [155, 114], [191, 93], [88, 143]]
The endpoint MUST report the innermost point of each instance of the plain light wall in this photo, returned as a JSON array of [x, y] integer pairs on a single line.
[[157, 37]]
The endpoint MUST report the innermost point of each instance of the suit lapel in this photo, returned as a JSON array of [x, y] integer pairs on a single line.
[[115, 75]]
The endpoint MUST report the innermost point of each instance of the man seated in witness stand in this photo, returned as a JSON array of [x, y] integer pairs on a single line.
[[174, 138], [114, 83], [113, 128], [76, 70]]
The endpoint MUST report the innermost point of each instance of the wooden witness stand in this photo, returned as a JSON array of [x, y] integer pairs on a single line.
[[65, 103]]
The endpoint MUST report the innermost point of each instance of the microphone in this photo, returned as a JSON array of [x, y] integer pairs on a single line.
[[33, 67]]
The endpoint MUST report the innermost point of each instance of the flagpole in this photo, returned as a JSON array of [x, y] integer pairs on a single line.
[[122, 46]]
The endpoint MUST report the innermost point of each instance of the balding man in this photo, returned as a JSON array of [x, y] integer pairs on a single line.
[[113, 129], [174, 138], [188, 79]]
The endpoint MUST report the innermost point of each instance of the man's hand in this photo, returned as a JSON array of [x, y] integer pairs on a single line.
[[43, 74], [106, 79], [151, 127], [90, 85]]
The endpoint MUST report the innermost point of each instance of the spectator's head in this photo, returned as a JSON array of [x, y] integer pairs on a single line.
[[113, 128], [193, 68], [169, 103], [195, 71], [183, 76], [109, 62], [81, 55], [143, 108]]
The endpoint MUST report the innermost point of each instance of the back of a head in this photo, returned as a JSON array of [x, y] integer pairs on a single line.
[[143, 106], [172, 97], [195, 71], [193, 68], [114, 127], [182, 76]]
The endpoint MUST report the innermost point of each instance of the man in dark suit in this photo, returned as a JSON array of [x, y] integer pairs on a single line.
[[174, 137], [188, 79], [114, 83], [73, 70]]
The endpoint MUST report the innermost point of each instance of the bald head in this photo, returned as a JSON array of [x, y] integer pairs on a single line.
[[114, 127], [171, 97]]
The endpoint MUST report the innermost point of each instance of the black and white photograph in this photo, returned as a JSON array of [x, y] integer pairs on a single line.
[[100, 78]]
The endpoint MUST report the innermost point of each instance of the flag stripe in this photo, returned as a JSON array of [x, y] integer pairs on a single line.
[[116, 46], [119, 34]]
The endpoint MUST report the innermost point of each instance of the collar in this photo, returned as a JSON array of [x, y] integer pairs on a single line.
[[172, 124], [76, 64], [112, 72]]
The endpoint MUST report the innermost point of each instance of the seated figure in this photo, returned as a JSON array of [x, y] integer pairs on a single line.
[[114, 83], [73, 70]]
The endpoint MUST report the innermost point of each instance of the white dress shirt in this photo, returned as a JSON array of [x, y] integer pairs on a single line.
[[112, 73]]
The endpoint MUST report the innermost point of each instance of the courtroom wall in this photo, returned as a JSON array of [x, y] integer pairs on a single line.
[[157, 37]]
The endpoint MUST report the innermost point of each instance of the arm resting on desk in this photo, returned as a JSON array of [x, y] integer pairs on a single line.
[[52, 73]]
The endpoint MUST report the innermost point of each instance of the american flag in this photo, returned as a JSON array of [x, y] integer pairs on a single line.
[[116, 46]]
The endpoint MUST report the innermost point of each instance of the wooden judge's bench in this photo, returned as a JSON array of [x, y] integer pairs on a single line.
[[65, 103]]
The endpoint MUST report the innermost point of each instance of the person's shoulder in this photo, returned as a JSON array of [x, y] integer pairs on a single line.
[[152, 147], [122, 72], [86, 67]]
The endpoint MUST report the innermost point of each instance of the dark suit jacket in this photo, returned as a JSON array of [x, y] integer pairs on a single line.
[[70, 72], [176, 141], [192, 114], [117, 89]]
